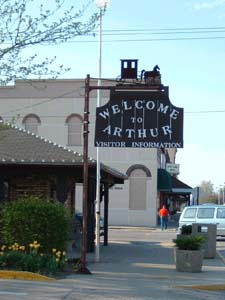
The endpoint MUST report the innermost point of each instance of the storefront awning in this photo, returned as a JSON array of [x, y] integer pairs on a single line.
[[164, 182], [180, 187], [168, 183]]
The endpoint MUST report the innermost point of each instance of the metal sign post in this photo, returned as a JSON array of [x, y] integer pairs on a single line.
[[83, 268]]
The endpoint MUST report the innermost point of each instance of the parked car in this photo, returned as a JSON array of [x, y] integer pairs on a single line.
[[204, 214], [79, 220]]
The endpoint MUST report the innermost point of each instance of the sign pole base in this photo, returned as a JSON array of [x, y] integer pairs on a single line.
[[84, 271]]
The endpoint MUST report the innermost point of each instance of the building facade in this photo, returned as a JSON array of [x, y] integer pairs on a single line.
[[54, 110]]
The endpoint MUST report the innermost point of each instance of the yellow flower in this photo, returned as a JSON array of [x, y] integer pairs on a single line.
[[14, 248], [1, 253], [64, 253], [3, 247], [35, 242], [57, 259], [31, 245], [36, 246], [22, 248], [54, 250], [58, 253]]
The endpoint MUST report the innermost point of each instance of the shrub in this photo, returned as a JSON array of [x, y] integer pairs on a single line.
[[186, 229], [189, 242], [33, 219]]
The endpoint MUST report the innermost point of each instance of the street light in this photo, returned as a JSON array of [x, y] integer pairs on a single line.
[[102, 5], [223, 192]]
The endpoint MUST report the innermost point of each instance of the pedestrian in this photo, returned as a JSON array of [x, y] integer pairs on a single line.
[[163, 213]]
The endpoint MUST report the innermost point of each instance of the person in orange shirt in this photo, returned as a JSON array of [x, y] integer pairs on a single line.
[[163, 213]]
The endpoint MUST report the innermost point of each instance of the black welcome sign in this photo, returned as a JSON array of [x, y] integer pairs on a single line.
[[139, 119]]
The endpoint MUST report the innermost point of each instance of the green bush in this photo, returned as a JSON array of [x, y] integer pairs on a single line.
[[34, 219], [189, 242], [11, 260], [186, 229]]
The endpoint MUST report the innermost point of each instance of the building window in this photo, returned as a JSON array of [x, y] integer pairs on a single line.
[[31, 123], [74, 123], [138, 191]]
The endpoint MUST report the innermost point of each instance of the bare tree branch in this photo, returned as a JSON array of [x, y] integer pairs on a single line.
[[54, 22]]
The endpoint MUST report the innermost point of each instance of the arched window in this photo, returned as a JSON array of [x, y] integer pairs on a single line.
[[31, 123], [138, 175], [74, 123]]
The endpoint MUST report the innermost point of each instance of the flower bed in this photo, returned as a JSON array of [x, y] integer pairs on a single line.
[[30, 258]]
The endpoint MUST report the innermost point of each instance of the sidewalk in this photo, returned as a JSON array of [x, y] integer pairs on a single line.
[[136, 265], [140, 261]]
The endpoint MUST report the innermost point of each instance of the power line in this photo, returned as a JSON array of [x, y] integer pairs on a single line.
[[150, 40], [167, 29], [78, 89], [204, 111], [185, 112], [161, 33], [43, 102], [194, 31]]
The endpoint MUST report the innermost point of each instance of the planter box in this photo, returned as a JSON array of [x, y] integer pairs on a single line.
[[188, 260], [208, 231]]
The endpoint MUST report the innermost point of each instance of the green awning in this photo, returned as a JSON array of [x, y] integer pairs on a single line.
[[164, 182]]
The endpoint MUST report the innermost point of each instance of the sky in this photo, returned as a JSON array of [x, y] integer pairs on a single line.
[[186, 38]]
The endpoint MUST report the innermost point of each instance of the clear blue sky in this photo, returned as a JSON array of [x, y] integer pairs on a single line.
[[185, 38]]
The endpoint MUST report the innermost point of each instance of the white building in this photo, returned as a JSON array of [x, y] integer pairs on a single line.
[[54, 109]]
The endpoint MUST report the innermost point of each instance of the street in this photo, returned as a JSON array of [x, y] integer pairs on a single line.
[[137, 265]]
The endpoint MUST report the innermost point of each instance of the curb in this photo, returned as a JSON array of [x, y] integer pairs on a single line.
[[132, 228], [213, 287], [169, 229], [220, 256], [23, 275]]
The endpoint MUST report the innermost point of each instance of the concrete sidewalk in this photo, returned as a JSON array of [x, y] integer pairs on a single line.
[[138, 264]]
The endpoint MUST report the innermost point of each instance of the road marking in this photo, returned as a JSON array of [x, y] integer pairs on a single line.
[[13, 293], [220, 256]]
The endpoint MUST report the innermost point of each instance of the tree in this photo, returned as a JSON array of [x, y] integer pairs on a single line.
[[25, 23], [207, 193]]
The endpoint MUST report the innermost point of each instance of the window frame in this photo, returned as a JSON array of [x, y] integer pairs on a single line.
[[72, 139], [34, 125]]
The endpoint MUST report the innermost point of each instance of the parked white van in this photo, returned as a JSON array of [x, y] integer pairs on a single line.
[[204, 214]]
